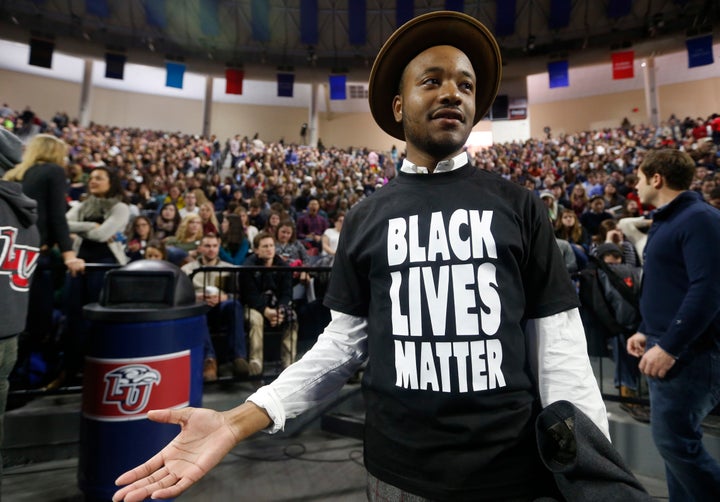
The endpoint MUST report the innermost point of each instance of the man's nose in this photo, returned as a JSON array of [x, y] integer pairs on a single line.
[[450, 93]]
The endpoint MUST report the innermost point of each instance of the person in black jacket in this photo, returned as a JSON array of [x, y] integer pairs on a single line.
[[268, 300]]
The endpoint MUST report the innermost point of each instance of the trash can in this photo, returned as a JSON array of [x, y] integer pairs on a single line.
[[145, 352]]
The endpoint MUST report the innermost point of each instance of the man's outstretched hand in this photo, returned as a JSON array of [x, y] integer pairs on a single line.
[[206, 436]]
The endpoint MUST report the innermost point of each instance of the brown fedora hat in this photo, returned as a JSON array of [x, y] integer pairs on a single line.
[[428, 30]]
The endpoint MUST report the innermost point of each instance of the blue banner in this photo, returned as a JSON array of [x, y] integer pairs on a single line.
[[114, 65], [337, 87], [99, 8], [260, 14], [285, 83], [175, 73], [404, 11], [155, 13], [309, 22], [559, 14], [209, 22], [456, 5], [700, 51], [558, 73], [357, 22], [505, 22], [618, 8]]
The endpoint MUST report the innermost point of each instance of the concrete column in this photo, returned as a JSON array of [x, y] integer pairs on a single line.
[[652, 102], [207, 106], [85, 94], [312, 133]]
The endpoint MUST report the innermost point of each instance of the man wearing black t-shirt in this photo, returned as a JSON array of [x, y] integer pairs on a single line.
[[449, 283]]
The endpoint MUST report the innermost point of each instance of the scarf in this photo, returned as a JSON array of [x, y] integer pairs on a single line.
[[96, 208]]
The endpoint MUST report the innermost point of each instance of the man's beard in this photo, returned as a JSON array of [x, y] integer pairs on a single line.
[[436, 148]]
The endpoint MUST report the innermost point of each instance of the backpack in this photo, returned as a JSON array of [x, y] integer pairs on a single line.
[[609, 297]]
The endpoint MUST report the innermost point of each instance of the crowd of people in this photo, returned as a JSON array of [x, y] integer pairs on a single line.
[[135, 194]]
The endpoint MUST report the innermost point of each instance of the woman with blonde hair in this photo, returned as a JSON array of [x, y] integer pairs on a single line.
[[210, 223], [579, 199], [183, 245], [42, 175]]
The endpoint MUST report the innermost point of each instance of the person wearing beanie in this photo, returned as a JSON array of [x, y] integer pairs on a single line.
[[19, 250], [436, 276], [10, 150]]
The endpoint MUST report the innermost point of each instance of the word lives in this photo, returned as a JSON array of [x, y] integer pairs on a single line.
[[445, 302]]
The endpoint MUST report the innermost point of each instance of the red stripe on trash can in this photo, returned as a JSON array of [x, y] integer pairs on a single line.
[[126, 389]]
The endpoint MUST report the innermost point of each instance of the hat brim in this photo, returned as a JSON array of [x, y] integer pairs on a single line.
[[429, 30]]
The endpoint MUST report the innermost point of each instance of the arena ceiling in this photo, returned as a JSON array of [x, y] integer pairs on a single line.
[[210, 34]]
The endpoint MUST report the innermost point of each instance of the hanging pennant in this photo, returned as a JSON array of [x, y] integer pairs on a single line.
[[623, 65]]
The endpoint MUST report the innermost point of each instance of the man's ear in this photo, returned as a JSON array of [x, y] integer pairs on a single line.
[[657, 181], [397, 108]]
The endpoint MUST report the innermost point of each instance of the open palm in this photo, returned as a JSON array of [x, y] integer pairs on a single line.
[[205, 438]]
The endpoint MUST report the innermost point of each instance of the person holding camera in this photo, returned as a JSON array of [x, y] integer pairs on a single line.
[[268, 300], [225, 309]]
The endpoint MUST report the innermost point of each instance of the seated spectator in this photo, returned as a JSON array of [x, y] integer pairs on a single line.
[[558, 190], [331, 236], [138, 235], [273, 220], [167, 221], [714, 198], [225, 310], [630, 209], [552, 206], [268, 298], [174, 196], [311, 225], [568, 255], [610, 233], [569, 229], [594, 215], [629, 190], [288, 247], [256, 215], [250, 230], [191, 204], [155, 250], [235, 244], [182, 247], [578, 199], [613, 200], [210, 223]]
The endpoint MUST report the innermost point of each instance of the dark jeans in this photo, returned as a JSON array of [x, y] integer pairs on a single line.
[[79, 291], [8, 356], [627, 372], [678, 404], [230, 315]]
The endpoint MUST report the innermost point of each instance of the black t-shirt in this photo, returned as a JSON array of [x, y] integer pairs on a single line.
[[446, 267]]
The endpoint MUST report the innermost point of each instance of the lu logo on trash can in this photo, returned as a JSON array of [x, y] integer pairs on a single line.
[[126, 389]]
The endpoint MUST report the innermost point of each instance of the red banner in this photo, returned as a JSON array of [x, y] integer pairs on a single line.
[[623, 64], [234, 81]]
